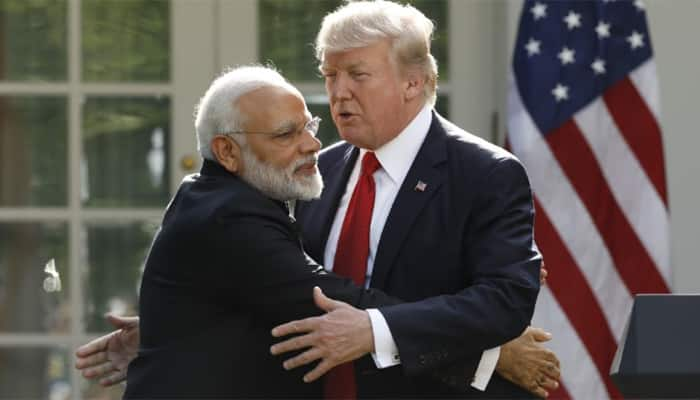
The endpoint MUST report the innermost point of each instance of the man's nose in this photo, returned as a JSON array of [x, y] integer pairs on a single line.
[[340, 89], [309, 143]]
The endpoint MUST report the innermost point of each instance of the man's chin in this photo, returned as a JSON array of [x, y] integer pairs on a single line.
[[280, 184], [310, 187], [357, 137]]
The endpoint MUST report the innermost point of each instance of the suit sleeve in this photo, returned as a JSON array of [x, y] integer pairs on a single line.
[[278, 278], [449, 332]]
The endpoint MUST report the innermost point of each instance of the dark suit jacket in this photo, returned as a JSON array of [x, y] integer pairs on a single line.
[[461, 251], [225, 267]]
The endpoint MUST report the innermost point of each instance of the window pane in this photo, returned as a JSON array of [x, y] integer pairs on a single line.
[[33, 40], [436, 10], [35, 373], [30, 300], [113, 265], [125, 145], [287, 30], [33, 151], [328, 134], [126, 40]]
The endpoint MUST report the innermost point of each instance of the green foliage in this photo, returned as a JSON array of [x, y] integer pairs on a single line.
[[126, 40], [33, 37], [436, 10], [117, 139], [25, 248], [36, 131], [115, 256], [287, 30]]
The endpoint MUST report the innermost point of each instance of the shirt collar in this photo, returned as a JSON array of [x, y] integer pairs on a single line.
[[396, 156]]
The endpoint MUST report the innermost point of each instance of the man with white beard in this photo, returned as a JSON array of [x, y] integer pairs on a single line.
[[227, 263], [205, 324]]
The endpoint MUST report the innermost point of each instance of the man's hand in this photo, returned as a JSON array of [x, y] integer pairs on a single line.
[[341, 335], [543, 274], [107, 358], [525, 362]]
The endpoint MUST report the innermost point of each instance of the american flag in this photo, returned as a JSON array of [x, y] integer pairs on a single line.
[[583, 116]]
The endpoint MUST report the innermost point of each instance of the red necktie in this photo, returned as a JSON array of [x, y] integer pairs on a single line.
[[351, 261]]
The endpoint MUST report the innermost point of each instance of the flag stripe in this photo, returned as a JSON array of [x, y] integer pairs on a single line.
[[568, 215], [578, 372], [640, 129], [577, 300], [638, 200], [583, 117], [631, 259], [644, 78]]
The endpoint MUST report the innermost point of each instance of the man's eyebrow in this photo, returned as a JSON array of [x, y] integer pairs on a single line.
[[354, 65], [286, 126]]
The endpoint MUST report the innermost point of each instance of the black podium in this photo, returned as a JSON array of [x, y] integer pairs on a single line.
[[659, 354]]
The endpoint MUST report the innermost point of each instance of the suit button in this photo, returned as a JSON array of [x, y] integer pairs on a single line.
[[421, 359]]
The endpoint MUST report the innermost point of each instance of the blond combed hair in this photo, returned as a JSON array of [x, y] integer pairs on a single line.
[[363, 23]]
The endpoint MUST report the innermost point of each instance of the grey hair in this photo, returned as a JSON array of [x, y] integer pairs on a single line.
[[217, 111], [363, 23]]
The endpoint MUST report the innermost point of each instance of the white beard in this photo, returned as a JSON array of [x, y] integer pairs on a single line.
[[281, 183]]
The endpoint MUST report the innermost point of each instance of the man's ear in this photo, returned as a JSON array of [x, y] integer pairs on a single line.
[[414, 84], [228, 153]]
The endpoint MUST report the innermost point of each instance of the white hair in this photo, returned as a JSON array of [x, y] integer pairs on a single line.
[[217, 111], [363, 23], [281, 183]]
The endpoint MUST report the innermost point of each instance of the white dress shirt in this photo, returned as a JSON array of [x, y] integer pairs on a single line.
[[396, 158]]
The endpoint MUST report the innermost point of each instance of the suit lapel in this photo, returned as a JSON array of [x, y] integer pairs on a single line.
[[410, 200], [335, 178]]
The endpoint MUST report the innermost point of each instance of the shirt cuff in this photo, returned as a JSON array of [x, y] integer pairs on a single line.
[[385, 354], [487, 365]]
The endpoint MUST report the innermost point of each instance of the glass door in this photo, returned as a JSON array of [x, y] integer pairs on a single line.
[[89, 157]]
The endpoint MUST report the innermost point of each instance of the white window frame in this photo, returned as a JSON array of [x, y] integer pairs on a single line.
[[192, 66], [207, 36]]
